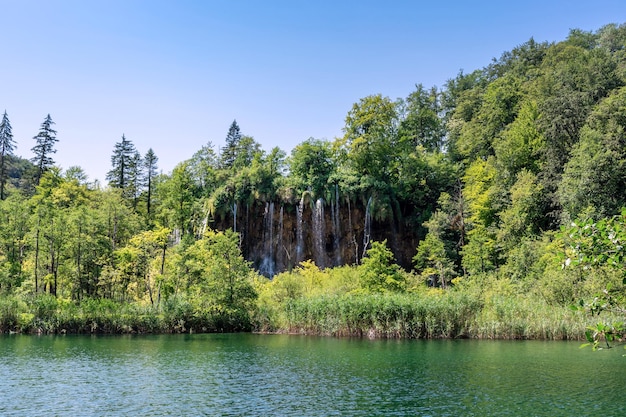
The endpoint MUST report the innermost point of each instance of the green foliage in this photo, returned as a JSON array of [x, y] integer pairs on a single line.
[[378, 271], [521, 144], [7, 145], [383, 315], [44, 147], [498, 108], [522, 216], [311, 166], [421, 125], [479, 175], [594, 177], [125, 168], [597, 243], [369, 141], [600, 245], [231, 149], [609, 332]]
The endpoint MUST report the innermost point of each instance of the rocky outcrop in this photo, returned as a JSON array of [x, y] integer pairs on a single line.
[[276, 237]]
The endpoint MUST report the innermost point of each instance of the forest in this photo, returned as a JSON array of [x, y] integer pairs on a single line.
[[492, 207]]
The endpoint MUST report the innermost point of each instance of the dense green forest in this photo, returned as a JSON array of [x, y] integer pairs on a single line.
[[486, 208]]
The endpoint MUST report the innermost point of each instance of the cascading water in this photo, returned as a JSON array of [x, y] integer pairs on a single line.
[[367, 229], [318, 233], [333, 221], [299, 232], [279, 240], [267, 267], [336, 228], [235, 217], [352, 237]]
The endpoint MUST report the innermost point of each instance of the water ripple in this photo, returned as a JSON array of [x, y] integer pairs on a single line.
[[253, 375]]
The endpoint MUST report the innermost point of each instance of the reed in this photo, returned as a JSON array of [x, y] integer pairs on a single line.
[[383, 315], [448, 315], [45, 314]]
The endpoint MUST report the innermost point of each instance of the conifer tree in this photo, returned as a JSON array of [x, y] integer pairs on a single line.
[[150, 165], [229, 151], [136, 178], [46, 138], [122, 162], [7, 145]]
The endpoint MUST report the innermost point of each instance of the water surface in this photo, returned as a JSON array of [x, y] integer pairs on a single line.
[[279, 375]]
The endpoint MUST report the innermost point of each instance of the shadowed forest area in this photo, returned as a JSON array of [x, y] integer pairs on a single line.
[[491, 207]]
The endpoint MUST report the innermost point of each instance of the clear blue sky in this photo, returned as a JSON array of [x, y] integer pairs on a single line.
[[172, 75]]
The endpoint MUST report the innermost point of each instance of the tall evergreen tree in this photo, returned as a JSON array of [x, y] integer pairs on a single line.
[[230, 150], [136, 178], [150, 165], [7, 145], [46, 138], [122, 161]]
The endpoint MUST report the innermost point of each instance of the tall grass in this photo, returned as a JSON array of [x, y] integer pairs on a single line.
[[448, 315], [47, 314], [383, 315]]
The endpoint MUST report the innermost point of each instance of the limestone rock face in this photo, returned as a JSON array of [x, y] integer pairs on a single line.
[[276, 237]]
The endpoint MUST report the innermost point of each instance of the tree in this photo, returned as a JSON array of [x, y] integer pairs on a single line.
[[370, 140], [378, 271], [50, 230], [178, 195], [122, 162], [46, 138], [142, 262], [14, 230], [498, 108], [220, 280], [311, 165], [203, 165], [150, 165], [589, 245], [422, 124], [136, 179], [246, 151], [230, 150], [7, 145], [433, 257], [594, 177], [520, 145], [574, 80]]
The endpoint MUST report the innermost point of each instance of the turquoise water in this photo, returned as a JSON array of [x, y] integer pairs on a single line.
[[279, 375]]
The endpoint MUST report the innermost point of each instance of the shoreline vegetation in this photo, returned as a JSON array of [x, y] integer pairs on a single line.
[[492, 207], [432, 314]]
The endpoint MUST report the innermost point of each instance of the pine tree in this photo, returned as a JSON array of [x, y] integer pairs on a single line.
[[229, 151], [122, 161], [136, 178], [150, 165], [7, 145], [46, 138]]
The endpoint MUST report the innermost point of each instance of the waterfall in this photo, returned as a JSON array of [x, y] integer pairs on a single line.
[[267, 264], [205, 225], [336, 228], [333, 222], [352, 238], [279, 242], [367, 229], [299, 232], [318, 233], [235, 217]]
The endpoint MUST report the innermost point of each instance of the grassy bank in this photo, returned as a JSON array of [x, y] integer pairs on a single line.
[[48, 315], [447, 315], [437, 314]]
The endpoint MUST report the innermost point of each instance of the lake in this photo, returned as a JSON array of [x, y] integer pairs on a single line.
[[281, 375]]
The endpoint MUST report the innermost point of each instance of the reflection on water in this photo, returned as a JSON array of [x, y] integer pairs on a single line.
[[265, 375]]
